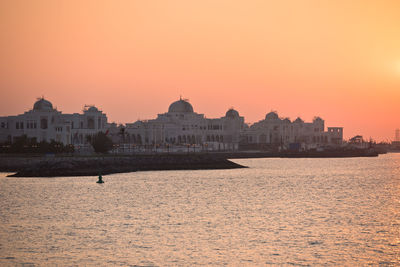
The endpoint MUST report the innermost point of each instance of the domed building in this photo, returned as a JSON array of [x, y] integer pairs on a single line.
[[179, 129], [91, 109], [180, 106], [42, 105], [298, 120], [272, 116], [232, 114], [273, 132], [182, 127], [45, 123]]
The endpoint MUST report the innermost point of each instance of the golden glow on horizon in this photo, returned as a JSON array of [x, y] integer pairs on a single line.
[[301, 58]]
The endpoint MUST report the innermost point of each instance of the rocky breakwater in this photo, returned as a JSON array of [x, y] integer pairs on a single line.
[[90, 166]]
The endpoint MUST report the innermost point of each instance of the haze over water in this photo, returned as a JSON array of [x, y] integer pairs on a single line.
[[278, 211]]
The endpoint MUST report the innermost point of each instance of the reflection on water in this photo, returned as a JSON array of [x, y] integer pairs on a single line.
[[278, 211]]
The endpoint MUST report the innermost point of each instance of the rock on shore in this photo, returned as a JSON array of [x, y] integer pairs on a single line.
[[91, 166]]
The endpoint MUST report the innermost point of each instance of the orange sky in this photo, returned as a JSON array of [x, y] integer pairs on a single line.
[[336, 59]]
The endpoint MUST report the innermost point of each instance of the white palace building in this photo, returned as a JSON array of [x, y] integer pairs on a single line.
[[46, 123], [178, 127], [275, 131], [182, 126]]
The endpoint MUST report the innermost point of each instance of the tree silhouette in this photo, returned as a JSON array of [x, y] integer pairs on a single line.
[[101, 143]]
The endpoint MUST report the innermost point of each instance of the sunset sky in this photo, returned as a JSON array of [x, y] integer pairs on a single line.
[[336, 59]]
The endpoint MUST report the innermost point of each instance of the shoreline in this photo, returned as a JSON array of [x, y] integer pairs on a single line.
[[93, 166]]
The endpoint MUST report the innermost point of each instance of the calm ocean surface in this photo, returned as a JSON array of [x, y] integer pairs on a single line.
[[279, 212]]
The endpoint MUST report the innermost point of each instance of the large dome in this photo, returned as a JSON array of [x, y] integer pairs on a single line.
[[42, 105], [181, 106], [231, 113]]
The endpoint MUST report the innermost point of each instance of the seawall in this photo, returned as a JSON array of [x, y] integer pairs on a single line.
[[93, 165]]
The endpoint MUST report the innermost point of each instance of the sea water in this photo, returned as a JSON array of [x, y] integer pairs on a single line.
[[304, 212]]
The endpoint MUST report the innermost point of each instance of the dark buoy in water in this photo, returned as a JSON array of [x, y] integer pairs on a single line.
[[100, 181]]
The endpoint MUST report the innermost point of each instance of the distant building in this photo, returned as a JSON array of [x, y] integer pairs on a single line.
[[46, 123], [396, 142], [358, 139], [281, 132]]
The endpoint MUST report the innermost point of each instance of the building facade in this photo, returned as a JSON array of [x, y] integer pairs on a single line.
[[181, 126], [45, 123], [274, 131]]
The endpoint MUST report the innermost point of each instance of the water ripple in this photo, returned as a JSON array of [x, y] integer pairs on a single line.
[[300, 212]]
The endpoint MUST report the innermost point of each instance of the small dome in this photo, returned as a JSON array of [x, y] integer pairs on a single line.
[[93, 109], [231, 113], [299, 120], [317, 119], [181, 106], [286, 120], [42, 105], [272, 116]]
